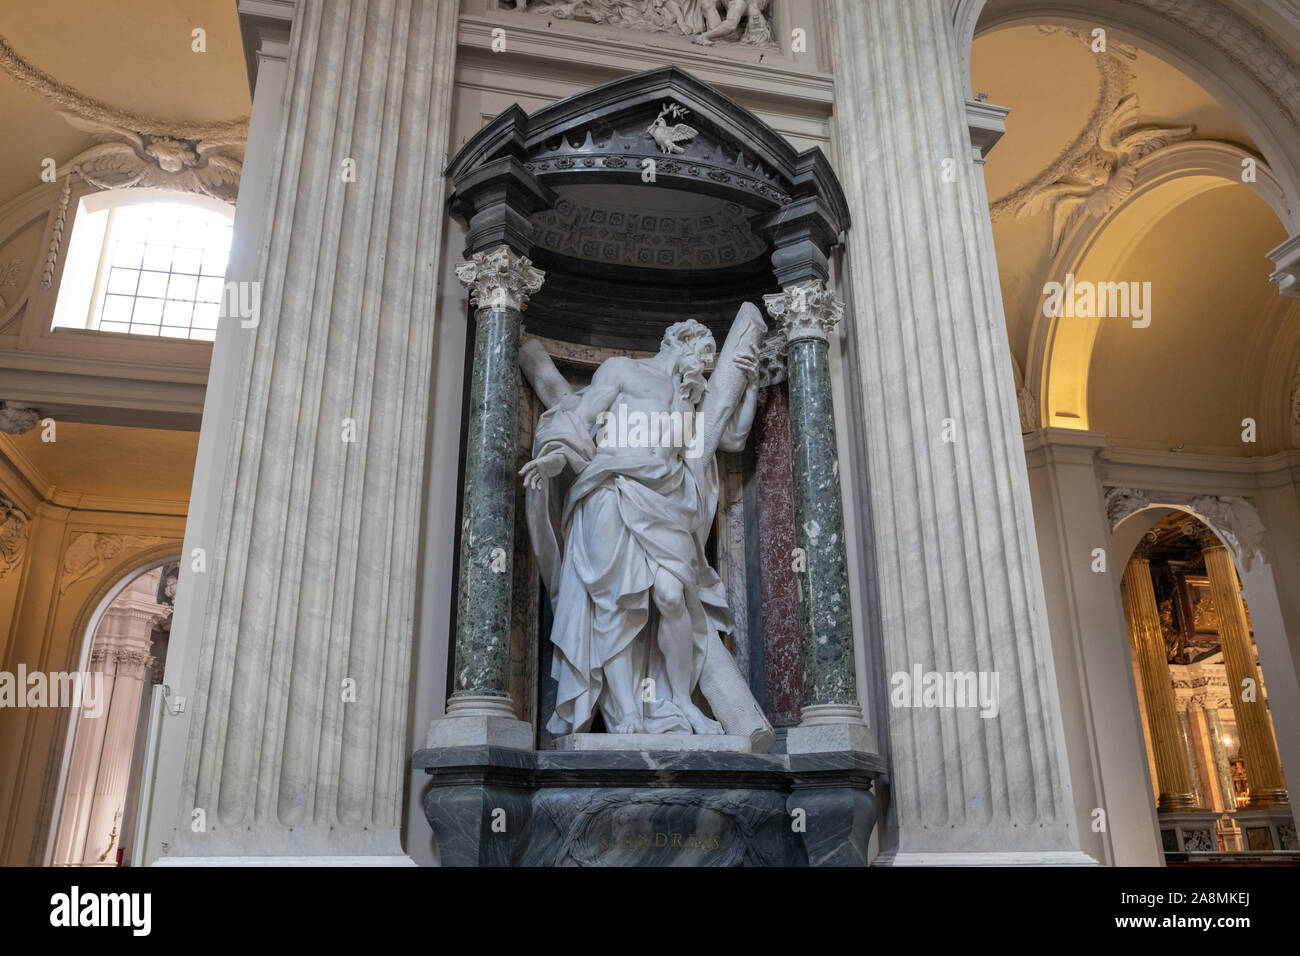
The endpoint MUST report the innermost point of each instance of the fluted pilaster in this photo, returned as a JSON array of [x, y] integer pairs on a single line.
[[1245, 689], [298, 743], [956, 561]]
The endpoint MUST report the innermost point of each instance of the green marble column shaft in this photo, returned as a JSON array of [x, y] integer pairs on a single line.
[[826, 647], [500, 282], [487, 525], [807, 314]]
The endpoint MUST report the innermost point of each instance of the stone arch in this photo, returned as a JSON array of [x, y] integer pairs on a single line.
[[1059, 359], [1237, 523], [1229, 57], [112, 582]]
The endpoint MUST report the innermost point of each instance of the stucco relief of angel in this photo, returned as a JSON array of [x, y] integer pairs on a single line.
[[1101, 179], [209, 165]]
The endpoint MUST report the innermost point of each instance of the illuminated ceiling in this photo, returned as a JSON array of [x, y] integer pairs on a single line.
[[1220, 341]]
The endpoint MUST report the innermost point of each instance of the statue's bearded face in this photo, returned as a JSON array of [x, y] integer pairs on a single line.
[[693, 358], [694, 348]]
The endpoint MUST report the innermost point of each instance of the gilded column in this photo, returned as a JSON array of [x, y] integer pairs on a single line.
[[1245, 689], [500, 283], [1144, 627], [831, 717]]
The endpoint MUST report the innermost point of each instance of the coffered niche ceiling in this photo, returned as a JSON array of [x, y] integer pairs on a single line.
[[1119, 168]]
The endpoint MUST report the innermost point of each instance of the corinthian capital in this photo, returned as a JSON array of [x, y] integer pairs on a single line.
[[805, 310], [500, 279]]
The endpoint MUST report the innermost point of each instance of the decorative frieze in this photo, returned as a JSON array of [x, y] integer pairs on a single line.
[[704, 23]]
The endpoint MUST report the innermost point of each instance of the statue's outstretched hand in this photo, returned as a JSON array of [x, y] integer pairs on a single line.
[[542, 468], [747, 362]]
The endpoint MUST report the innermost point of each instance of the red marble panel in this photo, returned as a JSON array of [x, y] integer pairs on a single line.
[[784, 683]]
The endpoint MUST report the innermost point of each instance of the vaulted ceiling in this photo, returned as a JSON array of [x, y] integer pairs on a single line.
[[1221, 337], [132, 55], [137, 57]]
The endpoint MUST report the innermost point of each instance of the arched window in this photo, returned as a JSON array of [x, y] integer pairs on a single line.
[[145, 262]]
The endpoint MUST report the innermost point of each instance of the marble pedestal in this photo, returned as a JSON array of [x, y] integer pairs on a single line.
[[491, 806], [1189, 831], [1267, 829], [717, 743]]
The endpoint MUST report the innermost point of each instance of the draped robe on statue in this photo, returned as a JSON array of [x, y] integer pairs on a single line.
[[600, 530]]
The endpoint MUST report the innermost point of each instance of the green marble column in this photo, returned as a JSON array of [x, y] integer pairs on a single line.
[[500, 283], [832, 717]]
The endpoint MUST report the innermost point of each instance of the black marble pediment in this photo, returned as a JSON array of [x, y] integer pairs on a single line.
[[647, 197]]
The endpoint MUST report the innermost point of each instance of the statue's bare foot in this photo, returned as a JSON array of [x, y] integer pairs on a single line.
[[667, 724], [628, 727], [701, 724], [703, 40]]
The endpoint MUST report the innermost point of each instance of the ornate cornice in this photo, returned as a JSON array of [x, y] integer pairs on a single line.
[[805, 310], [501, 279]]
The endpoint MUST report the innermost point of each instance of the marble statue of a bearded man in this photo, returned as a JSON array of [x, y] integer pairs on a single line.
[[620, 499]]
